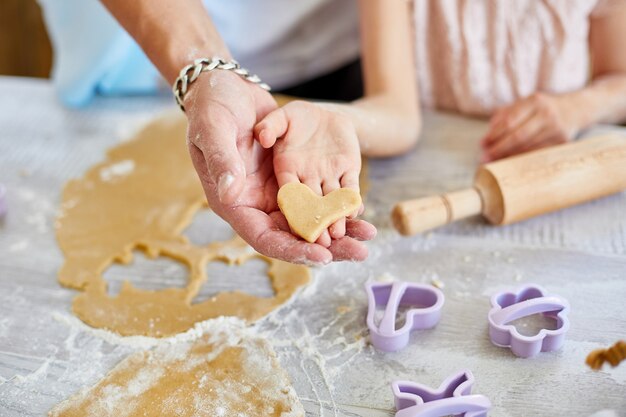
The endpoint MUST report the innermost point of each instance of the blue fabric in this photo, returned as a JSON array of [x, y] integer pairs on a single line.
[[93, 54]]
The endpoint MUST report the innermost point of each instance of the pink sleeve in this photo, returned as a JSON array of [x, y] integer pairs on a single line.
[[604, 7]]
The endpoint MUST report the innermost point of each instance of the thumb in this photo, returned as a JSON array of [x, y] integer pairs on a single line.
[[224, 164], [272, 127]]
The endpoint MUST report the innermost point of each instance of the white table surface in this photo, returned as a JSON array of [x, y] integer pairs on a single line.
[[579, 253]]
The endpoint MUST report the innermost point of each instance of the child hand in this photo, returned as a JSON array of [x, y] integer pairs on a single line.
[[535, 122], [314, 146]]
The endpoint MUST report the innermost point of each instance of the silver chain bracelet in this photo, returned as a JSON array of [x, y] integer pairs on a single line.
[[191, 72]]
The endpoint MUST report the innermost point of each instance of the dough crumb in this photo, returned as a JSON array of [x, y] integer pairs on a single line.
[[436, 282], [343, 309], [386, 277]]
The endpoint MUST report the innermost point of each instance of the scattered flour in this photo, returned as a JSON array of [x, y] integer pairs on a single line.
[[229, 371], [119, 169], [145, 342], [33, 376], [605, 413], [19, 246]]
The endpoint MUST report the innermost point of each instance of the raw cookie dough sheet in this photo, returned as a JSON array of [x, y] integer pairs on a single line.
[[141, 198], [320, 338]]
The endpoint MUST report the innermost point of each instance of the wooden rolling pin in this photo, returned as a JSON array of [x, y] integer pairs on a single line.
[[527, 185]]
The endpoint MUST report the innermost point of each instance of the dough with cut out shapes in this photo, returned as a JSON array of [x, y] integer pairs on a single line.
[[142, 197]]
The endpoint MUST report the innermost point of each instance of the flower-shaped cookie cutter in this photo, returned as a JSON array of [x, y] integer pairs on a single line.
[[453, 397], [531, 299], [3, 201], [426, 300]]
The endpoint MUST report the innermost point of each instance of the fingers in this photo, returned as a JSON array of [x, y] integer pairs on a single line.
[[545, 138], [348, 249], [513, 142], [324, 239], [351, 180], [281, 222], [360, 230], [338, 229], [272, 127], [357, 229], [223, 168], [507, 120], [211, 189], [197, 158], [286, 177], [314, 184], [266, 237]]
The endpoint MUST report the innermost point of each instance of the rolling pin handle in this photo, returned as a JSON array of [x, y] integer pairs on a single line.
[[422, 214]]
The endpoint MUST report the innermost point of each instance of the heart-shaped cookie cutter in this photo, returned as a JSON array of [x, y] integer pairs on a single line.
[[531, 299], [453, 397], [3, 201], [427, 300]]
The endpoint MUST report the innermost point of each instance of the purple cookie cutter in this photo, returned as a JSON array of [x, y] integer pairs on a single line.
[[426, 299], [453, 397], [527, 300], [3, 201]]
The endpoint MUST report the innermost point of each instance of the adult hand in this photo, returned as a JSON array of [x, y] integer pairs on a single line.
[[535, 122], [237, 173]]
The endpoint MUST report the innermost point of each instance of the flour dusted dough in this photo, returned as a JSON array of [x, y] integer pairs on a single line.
[[225, 373], [142, 197], [309, 214]]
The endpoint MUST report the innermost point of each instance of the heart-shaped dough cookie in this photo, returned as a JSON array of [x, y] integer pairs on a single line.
[[308, 214]]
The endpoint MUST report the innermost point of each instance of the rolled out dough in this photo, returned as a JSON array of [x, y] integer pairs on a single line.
[[227, 372], [309, 214], [142, 197]]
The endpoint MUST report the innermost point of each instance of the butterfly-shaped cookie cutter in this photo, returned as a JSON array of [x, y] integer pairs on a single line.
[[426, 299], [453, 397], [525, 301]]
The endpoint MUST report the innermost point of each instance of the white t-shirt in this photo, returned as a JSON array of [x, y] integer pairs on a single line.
[[288, 41]]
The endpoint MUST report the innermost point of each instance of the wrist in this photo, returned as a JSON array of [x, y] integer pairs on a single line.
[[573, 113], [179, 58], [190, 73]]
